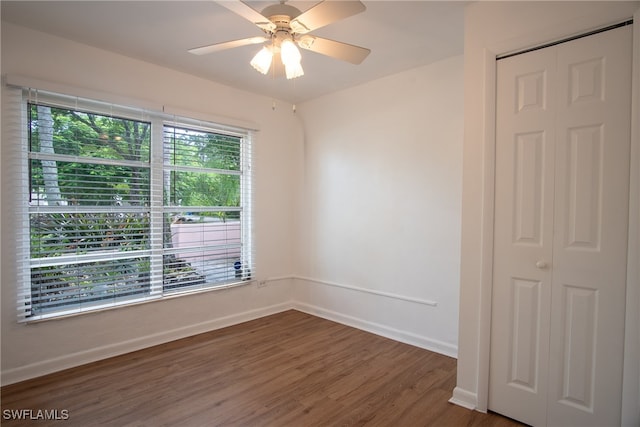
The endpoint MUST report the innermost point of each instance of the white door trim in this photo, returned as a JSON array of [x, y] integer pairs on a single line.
[[631, 374], [631, 386], [488, 206]]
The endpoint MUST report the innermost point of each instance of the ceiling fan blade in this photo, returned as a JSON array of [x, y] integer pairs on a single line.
[[334, 49], [227, 45], [248, 13], [325, 13]]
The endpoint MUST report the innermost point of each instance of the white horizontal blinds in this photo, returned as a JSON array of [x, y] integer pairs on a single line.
[[115, 205], [88, 204], [15, 194], [204, 220], [246, 201]]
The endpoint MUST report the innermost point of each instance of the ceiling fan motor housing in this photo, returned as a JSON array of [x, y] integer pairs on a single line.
[[281, 15], [280, 11]]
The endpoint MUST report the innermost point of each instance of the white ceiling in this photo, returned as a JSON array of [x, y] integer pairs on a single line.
[[401, 35]]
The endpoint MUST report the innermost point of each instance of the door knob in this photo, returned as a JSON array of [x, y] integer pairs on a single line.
[[541, 265]]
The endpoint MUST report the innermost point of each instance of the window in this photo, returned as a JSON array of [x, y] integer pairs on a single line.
[[126, 205], [203, 208]]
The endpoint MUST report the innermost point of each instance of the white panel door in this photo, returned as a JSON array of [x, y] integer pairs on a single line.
[[591, 220], [525, 140], [562, 177]]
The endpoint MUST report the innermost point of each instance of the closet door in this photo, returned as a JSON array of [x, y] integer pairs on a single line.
[[562, 176], [591, 222], [523, 241]]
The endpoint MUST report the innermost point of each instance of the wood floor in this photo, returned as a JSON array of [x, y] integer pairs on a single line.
[[289, 369]]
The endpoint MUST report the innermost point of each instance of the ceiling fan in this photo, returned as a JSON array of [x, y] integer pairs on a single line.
[[285, 27]]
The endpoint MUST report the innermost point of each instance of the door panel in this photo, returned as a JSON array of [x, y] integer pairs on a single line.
[[591, 219], [583, 177], [525, 334], [561, 216], [529, 179], [578, 365], [523, 237]]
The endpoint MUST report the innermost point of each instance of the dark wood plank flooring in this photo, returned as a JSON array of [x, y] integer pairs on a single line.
[[289, 369]]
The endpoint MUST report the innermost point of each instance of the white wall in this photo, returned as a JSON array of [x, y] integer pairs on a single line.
[[35, 349], [493, 28], [381, 206]]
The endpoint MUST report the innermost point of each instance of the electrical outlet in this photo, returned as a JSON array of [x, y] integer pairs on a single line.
[[262, 283]]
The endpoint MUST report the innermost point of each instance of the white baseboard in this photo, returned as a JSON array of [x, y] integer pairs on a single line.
[[464, 398], [80, 358], [379, 329]]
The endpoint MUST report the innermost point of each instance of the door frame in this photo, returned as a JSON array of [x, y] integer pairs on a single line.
[[631, 369]]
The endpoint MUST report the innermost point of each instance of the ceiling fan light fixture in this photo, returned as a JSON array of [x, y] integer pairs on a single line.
[[291, 59], [293, 70], [289, 52], [262, 60]]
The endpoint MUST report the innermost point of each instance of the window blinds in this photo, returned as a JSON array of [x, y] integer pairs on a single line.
[[119, 205], [205, 207]]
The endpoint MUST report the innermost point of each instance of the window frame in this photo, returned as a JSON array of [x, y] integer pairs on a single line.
[[158, 122]]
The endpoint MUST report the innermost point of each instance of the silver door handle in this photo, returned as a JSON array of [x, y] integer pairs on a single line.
[[541, 265]]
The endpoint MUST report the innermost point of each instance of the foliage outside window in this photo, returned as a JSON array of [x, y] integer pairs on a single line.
[[125, 209]]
